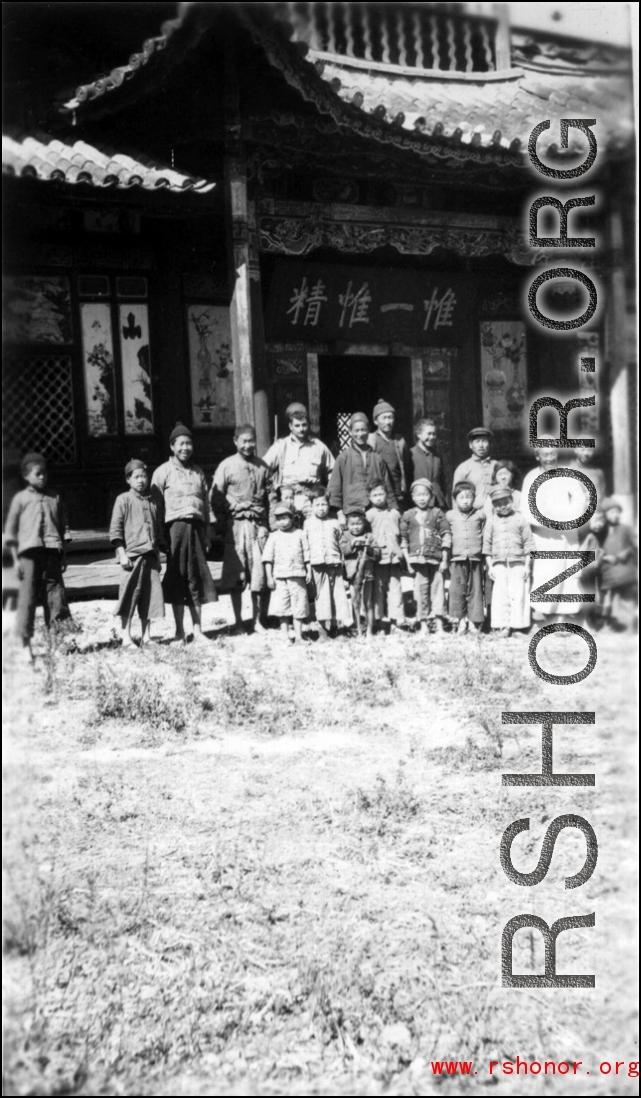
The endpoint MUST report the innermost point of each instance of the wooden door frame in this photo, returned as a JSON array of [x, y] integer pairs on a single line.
[[414, 354]]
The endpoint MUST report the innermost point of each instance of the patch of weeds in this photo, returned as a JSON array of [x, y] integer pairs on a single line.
[[59, 640], [471, 755], [139, 699], [236, 700], [389, 803], [326, 1011], [373, 684], [271, 709]]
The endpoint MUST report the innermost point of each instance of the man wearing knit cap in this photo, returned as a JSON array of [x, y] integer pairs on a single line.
[[356, 469], [299, 459], [479, 467], [392, 448]]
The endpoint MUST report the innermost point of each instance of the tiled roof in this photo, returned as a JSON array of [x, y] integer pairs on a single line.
[[474, 112], [44, 157], [482, 108], [181, 33]]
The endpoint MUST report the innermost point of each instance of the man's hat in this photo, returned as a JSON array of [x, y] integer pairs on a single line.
[[358, 417], [180, 431], [135, 463], [479, 432], [296, 410], [608, 503], [283, 509], [381, 408], [501, 493]]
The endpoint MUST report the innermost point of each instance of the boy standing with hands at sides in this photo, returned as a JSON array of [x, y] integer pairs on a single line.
[[426, 463], [323, 537], [479, 467], [466, 567], [286, 560], [426, 541], [240, 503], [36, 531], [136, 533], [179, 490], [507, 544], [386, 531], [360, 553]]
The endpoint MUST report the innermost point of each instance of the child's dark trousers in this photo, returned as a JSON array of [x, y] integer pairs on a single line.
[[42, 585], [466, 590]]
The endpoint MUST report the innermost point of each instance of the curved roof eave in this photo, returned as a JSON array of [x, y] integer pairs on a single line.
[[40, 156], [479, 117]]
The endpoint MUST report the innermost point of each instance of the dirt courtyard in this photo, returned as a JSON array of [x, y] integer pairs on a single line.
[[254, 868]]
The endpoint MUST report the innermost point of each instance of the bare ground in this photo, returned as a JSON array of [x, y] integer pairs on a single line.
[[249, 868]]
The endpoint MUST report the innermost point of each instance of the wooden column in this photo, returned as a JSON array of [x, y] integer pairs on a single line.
[[502, 50], [246, 320], [616, 331]]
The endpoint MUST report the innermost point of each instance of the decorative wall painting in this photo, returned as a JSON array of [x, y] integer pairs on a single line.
[[36, 310], [98, 361], [503, 374], [588, 347], [211, 366], [439, 363], [136, 369]]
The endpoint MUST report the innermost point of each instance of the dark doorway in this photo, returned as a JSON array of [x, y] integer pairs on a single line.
[[355, 383]]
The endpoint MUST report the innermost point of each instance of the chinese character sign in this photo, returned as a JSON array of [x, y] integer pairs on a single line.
[[314, 301]]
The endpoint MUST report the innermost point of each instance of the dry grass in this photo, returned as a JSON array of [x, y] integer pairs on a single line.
[[258, 870]]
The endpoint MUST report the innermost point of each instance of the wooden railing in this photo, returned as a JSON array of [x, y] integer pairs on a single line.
[[419, 36]]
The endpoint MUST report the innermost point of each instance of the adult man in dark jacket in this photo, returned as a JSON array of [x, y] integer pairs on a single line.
[[393, 450], [356, 468]]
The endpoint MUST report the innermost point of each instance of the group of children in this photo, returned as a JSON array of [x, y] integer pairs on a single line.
[[330, 559]]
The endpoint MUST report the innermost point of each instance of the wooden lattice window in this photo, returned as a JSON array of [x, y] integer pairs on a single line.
[[342, 428], [38, 406]]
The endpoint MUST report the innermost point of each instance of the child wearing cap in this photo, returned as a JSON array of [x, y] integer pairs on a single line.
[[426, 542], [507, 544], [137, 536], [618, 569], [479, 467], [36, 532], [323, 537], [288, 571], [505, 475], [179, 490], [466, 565], [386, 530], [360, 554], [356, 469], [288, 494]]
